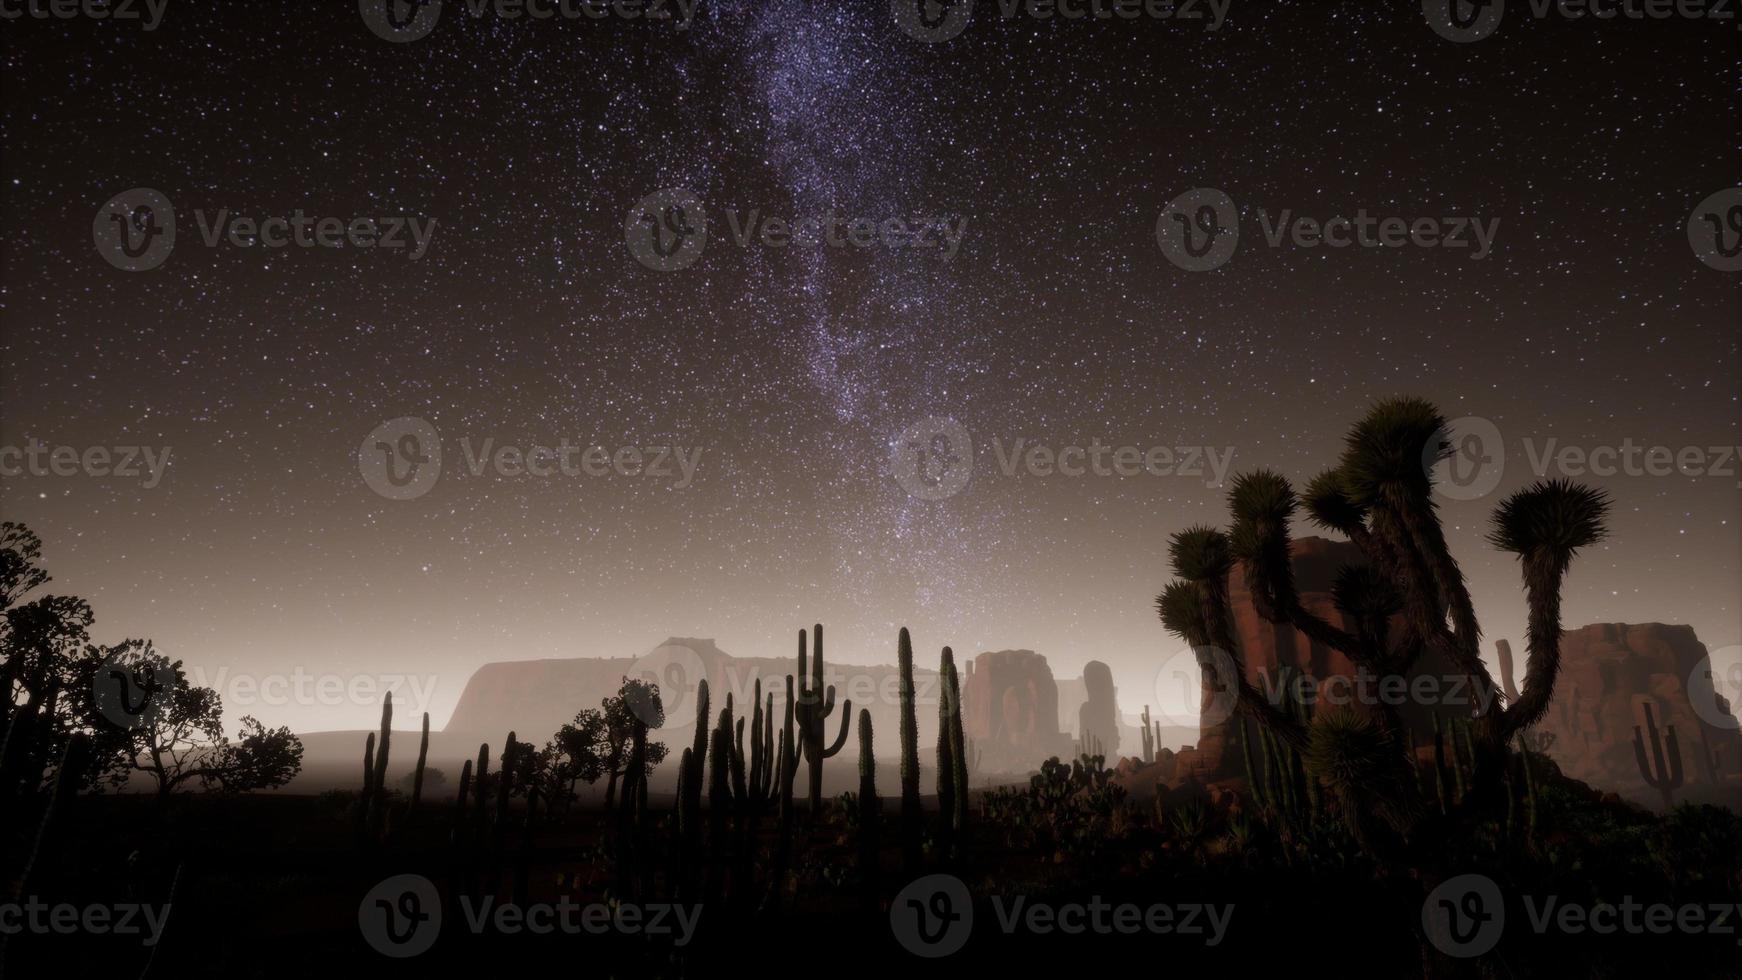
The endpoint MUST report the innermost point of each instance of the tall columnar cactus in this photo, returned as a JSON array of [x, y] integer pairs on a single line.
[[1254, 775], [815, 704], [1380, 496], [465, 786], [1663, 770], [719, 804], [378, 802], [480, 805], [957, 813], [870, 809], [422, 757], [366, 799], [504, 786], [691, 778], [1149, 739], [946, 771], [785, 774], [1503, 652], [912, 817]]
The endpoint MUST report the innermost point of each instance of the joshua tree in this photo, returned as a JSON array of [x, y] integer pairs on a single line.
[[1379, 496], [814, 705]]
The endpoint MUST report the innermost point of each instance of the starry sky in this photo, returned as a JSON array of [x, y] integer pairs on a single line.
[[1058, 321]]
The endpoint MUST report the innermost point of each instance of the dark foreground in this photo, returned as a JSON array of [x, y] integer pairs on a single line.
[[284, 886]]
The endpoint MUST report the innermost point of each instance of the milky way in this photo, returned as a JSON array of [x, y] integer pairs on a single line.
[[1057, 321]]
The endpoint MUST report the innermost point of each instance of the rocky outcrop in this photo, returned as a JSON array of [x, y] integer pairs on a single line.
[[1609, 673], [1098, 718], [1267, 648], [1010, 709]]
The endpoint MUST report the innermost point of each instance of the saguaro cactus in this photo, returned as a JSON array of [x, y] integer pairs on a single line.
[[911, 815], [422, 757], [870, 809], [378, 803], [957, 812], [946, 774], [1663, 771], [814, 706]]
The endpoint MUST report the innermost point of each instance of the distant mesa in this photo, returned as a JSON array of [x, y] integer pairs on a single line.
[[1610, 672]]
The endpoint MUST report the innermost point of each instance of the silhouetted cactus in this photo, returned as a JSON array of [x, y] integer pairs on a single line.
[[480, 804], [422, 757], [1149, 740], [378, 801], [957, 812], [912, 817], [465, 786], [870, 810], [719, 803], [1663, 770], [815, 704], [366, 799], [691, 768]]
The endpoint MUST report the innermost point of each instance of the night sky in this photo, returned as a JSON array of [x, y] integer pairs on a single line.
[[1058, 321]]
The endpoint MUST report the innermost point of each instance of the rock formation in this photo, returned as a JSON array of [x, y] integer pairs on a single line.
[[1609, 673], [1010, 710], [1098, 718]]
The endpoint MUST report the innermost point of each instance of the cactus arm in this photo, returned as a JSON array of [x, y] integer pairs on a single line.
[[841, 737]]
